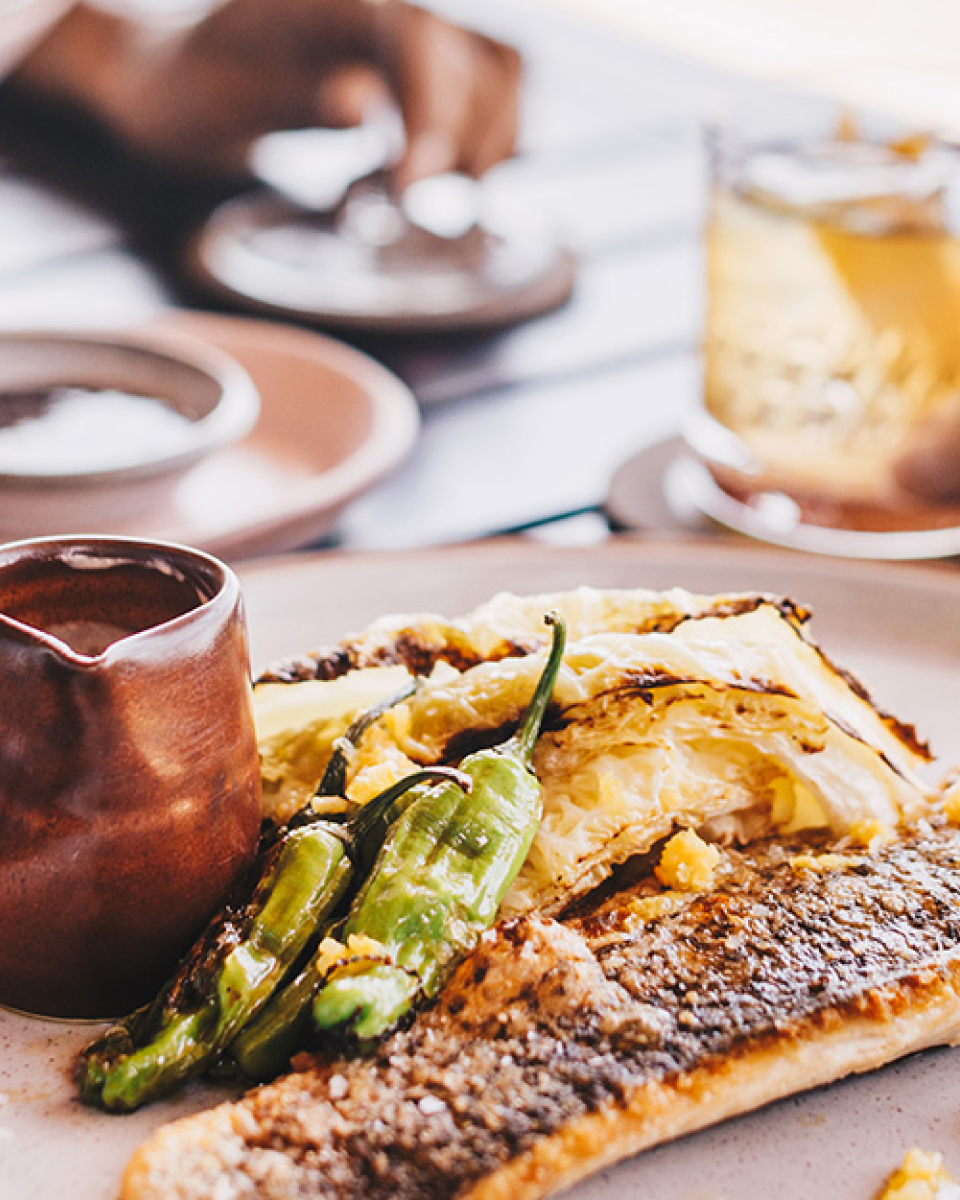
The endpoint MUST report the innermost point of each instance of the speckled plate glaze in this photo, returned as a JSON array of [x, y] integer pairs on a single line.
[[897, 627]]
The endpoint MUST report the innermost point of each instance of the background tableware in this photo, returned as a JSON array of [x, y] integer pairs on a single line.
[[129, 776], [332, 422], [96, 429], [830, 349], [374, 264]]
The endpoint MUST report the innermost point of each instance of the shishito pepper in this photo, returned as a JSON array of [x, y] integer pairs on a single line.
[[226, 978], [264, 1046], [245, 952], [444, 868]]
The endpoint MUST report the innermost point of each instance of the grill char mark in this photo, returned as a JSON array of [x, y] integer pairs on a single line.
[[420, 647], [547, 1024]]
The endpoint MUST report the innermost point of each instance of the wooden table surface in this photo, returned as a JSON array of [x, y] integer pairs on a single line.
[[522, 427]]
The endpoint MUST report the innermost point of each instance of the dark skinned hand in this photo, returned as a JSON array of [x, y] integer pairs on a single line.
[[197, 97]]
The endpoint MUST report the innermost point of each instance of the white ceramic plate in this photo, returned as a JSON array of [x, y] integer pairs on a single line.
[[332, 422], [897, 627]]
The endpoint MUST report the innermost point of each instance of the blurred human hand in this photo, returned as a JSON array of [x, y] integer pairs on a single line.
[[197, 97]]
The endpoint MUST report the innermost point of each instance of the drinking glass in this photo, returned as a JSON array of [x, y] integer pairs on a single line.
[[831, 406]]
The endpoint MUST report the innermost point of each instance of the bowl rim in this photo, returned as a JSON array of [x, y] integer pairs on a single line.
[[157, 554], [234, 413]]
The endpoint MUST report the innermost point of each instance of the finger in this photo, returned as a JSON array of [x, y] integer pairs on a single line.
[[349, 96], [494, 120], [434, 69], [459, 95]]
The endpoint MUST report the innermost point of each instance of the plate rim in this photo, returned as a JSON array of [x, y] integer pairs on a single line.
[[395, 427], [940, 573]]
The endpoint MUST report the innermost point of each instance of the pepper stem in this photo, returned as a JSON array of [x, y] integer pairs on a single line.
[[526, 736], [334, 777]]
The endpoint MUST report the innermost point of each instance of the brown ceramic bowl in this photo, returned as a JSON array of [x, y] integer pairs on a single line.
[[129, 778], [100, 428]]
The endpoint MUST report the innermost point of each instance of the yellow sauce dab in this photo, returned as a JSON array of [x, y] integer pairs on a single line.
[[687, 863], [921, 1176]]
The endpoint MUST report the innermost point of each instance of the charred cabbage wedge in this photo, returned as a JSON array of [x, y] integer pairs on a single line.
[[672, 710]]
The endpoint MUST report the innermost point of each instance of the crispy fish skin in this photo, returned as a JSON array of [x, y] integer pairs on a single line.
[[561, 1047]]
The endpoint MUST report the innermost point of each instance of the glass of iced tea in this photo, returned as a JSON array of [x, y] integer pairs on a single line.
[[831, 411]]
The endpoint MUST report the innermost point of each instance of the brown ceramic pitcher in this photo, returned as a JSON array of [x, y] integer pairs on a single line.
[[129, 781]]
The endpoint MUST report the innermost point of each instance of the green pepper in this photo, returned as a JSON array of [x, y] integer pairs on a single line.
[[245, 952], [264, 1046], [442, 872]]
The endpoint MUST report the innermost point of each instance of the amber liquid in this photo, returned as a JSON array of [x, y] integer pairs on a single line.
[[831, 343]]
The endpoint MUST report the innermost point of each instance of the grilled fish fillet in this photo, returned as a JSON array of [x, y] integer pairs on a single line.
[[561, 1047]]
